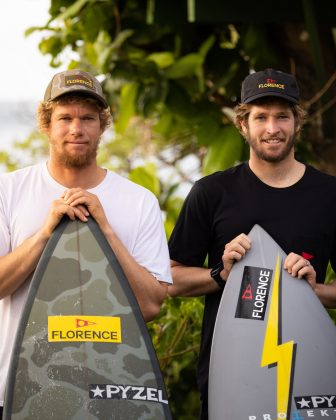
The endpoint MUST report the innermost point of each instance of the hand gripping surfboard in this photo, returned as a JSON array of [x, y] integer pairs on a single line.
[[83, 351], [274, 345]]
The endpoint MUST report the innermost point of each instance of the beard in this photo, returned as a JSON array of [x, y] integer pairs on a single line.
[[75, 160], [268, 156]]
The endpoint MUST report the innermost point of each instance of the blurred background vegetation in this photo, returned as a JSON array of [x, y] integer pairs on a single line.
[[172, 72]]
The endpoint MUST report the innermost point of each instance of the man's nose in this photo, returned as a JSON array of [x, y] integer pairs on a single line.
[[76, 126], [272, 126]]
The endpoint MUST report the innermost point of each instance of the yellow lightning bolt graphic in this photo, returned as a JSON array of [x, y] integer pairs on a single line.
[[280, 354]]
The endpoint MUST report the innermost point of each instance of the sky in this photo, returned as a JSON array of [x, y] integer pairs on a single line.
[[24, 71]]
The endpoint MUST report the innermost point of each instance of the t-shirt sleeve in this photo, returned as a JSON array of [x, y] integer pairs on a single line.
[[4, 232], [333, 255], [151, 249], [189, 241]]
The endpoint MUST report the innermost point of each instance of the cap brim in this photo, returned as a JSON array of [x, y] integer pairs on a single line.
[[270, 94], [84, 93]]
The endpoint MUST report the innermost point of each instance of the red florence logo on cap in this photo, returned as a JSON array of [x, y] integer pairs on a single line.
[[307, 256], [270, 81]]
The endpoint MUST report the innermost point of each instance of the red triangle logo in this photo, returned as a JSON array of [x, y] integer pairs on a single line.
[[247, 295], [83, 323]]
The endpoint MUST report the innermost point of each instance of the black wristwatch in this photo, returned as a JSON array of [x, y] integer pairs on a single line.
[[215, 274]]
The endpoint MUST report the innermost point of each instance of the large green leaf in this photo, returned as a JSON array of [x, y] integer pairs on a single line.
[[206, 45], [147, 177], [224, 152], [162, 59], [208, 131], [127, 106], [72, 10], [185, 66]]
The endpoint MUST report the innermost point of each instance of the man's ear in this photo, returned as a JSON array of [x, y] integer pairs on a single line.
[[45, 130], [243, 125], [298, 128]]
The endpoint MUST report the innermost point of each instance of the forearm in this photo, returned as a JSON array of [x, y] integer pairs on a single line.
[[16, 266], [148, 291], [191, 281], [327, 294]]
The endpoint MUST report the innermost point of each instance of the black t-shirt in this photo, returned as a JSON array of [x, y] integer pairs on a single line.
[[300, 218]]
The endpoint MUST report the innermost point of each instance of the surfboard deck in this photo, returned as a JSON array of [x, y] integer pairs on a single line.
[[82, 350], [274, 345]]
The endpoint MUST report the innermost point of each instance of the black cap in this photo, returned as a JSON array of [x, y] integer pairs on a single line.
[[269, 82]]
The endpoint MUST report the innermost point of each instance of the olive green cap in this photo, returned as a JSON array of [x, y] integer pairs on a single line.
[[72, 81]]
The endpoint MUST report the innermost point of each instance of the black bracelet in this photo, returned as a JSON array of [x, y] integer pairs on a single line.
[[215, 274]]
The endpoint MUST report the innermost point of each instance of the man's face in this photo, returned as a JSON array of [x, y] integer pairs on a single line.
[[270, 132], [74, 133]]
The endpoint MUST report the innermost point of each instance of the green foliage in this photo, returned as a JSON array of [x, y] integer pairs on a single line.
[[147, 177], [225, 150], [176, 78], [127, 106], [331, 276], [176, 337], [171, 89]]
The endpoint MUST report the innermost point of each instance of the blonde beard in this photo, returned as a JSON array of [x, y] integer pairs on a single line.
[[75, 160]]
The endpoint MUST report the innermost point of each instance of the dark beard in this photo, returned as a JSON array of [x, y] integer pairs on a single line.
[[271, 158]]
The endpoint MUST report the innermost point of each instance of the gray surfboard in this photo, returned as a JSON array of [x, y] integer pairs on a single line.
[[273, 353], [83, 351]]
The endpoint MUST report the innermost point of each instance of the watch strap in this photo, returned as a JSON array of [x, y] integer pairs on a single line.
[[215, 274]]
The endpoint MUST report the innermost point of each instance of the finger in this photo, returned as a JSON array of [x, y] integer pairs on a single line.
[[71, 198], [303, 272], [84, 203], [231, 256], [290, 260], [244, 241], [84, 210], [239, 246], [70, 193], [79, 214], [237, 256], [300, 268], [297, 266]]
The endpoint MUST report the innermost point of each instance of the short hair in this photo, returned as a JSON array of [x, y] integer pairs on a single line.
[[242, 111], [46, 108]]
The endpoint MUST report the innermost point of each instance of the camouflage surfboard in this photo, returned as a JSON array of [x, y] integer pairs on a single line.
[[274, 346], [83, 351]]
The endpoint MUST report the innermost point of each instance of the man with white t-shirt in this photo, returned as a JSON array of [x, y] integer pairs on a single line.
[[33, 200]]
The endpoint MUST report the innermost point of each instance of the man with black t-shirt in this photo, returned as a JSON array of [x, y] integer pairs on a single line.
[[293, 202]]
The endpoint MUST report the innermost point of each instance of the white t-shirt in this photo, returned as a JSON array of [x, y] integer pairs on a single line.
[[25, 199]]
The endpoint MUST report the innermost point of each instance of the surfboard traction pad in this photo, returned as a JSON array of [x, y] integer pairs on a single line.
[[295, 342], [59, 380]]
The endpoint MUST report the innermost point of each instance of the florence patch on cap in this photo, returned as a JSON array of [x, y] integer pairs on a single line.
[[269, 82], [71, 81]]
